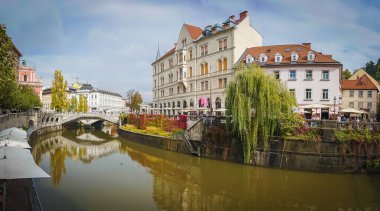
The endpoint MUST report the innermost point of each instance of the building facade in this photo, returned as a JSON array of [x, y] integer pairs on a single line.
[[27, 77], [360, 92], [193, 75], [313, 77]]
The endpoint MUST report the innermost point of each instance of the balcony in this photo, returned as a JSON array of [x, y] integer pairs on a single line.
[[182, 78]]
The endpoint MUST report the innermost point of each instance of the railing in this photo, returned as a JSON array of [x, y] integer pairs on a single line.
[[190, 146], [374, 126], [34, 198]]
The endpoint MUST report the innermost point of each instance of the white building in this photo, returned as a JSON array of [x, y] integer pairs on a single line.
[[313, 77], [193, 75]]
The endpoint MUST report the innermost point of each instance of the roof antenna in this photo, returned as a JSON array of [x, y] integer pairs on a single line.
[[158, 56]]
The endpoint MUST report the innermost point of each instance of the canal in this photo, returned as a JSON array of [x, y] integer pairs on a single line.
[[95, 170]]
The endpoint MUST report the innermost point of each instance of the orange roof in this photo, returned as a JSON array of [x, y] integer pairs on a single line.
[[165, 55], [286, 51], [194, 31], [361, 83]]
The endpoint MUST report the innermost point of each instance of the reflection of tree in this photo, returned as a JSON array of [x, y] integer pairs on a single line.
[[57, 163]]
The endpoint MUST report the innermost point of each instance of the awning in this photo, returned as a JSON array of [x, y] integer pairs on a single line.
[[314, 106]]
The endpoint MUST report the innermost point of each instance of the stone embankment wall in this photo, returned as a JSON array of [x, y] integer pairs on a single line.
[[16, 120]]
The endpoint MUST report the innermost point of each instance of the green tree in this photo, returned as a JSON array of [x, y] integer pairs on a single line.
[[370, 68], [255, 102], [74, 104], [136, 101], [81, 104], [85, 105], [27, 98], [8, 84], [346, 74], [58, 92]]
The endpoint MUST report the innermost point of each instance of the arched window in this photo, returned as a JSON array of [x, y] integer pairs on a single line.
[[202, 69], [218, 103], [225, 64], [220, 65], [190, 72], [173, 104], [191, 103], [294, 57], [310, 56], [160, 105], [164, 105], [206, 68], [208, 103], [25, 77], [178, 104], [184, 104]]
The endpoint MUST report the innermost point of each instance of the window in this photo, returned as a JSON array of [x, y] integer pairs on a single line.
[[309, 75], [25, 77], [225, 64], [191, 87], [225, 44], [292, 91], [180, 57], [276, 74], [263, 57], [206, 49], [220, 83], [170, 63], [351, 93], [177, 89], [292, 75], [360, 94], [310, 56], [278, 57], [190, 72], [294, 57], [155, 70], [206, 68], [369, 105], [202, 69], [369, 94], [360, 105], [191, 54], [202, 51], [325, 75], [206, 85], [325, 94], [202, 86], [220, 65], [308, 94], [224, 82], [249, 59], [162, 67], [155, 83], [351, 104], [220, 45]]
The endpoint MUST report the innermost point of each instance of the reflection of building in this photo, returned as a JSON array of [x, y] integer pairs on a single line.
[[27, 77], [360, 92], [313, 77], [194, 74]]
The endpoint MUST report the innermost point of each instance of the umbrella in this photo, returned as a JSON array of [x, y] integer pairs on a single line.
[[13, 137], [13, 131], [13, 143], [16, 163], [351, 110], [312, 106]]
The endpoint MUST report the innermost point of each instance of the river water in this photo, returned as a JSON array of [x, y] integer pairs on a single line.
[[92, 170]]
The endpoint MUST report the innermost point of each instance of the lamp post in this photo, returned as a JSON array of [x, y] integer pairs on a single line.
[[334, 105]]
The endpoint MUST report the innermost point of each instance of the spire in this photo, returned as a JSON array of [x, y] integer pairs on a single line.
[[158, 56]]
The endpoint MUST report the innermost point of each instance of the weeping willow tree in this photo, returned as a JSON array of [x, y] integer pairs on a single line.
[[255, 101]]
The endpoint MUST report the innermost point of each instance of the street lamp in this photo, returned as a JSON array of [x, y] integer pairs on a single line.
[[334, 105]]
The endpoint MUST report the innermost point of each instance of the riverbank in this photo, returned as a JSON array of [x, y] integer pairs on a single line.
[[326, 157]]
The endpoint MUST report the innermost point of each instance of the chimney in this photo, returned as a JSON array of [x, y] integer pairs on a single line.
[[232, 17], [307, 45], [242, 15]]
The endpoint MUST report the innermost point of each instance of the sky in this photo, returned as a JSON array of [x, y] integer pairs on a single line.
[[111, 44]]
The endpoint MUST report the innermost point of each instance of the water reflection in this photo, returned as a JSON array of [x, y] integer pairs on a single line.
[[123, 175], [83, 145]]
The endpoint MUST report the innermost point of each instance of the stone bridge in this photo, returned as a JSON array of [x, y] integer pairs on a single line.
[[53, 119]]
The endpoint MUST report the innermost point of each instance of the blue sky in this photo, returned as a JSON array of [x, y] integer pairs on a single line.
[[112, 43]]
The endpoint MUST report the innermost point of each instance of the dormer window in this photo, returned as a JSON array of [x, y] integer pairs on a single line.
[[249, 59], [310, 56], [294, 57], [277, 57], [263, 57]]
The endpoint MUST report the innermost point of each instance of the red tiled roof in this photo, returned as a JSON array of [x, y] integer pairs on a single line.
[[194, 31], [286, 51], [362, 83]]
